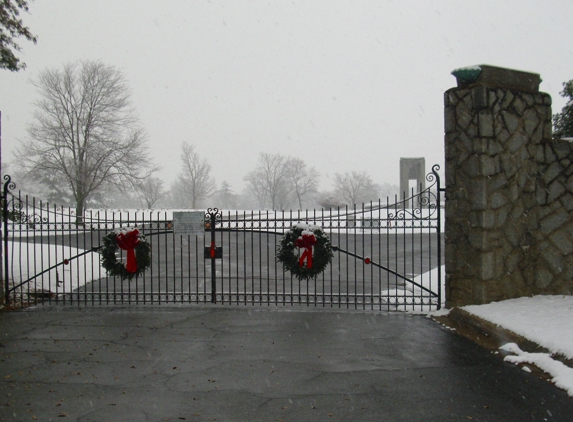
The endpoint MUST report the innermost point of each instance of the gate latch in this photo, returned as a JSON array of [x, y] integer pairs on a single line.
[[215, 252]]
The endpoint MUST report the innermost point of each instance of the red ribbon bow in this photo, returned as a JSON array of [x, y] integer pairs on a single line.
[[128, 241], [305, 241]]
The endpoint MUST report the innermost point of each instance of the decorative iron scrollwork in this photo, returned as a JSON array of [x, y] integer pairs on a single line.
[[213, 215], [426, 203], [14, 207]]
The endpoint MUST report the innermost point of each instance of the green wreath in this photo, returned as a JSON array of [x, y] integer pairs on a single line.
[[305, 251], [109, 249]]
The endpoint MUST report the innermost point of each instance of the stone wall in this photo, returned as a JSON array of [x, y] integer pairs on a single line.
[[509, 190]]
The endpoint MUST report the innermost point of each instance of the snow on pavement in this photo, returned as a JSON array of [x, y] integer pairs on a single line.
[[561, 375], [545, 320]]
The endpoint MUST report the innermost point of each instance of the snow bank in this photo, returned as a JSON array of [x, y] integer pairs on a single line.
[[27, 260], [544, 320], [404, 298]]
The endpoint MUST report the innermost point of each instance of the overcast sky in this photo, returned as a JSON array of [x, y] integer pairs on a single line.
[[344, 85]]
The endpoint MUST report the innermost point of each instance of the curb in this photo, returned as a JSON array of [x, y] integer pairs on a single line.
[[491, 336]]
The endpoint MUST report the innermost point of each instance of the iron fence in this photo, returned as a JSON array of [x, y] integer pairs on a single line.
[[386, 256]]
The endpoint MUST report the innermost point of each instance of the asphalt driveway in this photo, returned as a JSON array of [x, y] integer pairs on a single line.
[[222, 363]]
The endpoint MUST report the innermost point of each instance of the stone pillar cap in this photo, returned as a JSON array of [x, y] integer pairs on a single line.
[[497, 77]]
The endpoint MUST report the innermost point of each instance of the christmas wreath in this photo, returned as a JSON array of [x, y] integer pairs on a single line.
[[305, 251], [138, 253]]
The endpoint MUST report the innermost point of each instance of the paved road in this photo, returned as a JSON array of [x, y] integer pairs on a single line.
[[214, 363]]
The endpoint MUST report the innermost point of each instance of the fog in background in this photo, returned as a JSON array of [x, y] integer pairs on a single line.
[[342, 85]]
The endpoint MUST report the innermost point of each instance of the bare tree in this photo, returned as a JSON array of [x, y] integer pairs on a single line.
[[279, 180], [355, 187], [329, 200], [255, 191], [151, 190], [304, 180], [85, 131], [195, 180], [270, 181]]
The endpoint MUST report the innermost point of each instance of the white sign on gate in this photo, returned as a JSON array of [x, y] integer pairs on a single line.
[[189, 222]]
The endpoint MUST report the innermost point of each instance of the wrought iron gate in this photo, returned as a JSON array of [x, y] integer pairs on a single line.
[[386, 256]]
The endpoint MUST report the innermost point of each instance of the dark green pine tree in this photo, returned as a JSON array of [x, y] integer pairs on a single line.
[[11, 27], [563, 122]]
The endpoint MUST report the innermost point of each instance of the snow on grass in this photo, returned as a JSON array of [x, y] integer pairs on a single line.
[[27, 260], [544, 320]]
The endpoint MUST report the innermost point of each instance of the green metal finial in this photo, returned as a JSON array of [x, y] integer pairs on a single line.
[[467, 75]]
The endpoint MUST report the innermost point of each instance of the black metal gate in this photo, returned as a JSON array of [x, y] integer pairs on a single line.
[[386, 256]]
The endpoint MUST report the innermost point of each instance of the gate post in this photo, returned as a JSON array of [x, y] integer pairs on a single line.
[[496, 123], [4, 241], [212, 214]]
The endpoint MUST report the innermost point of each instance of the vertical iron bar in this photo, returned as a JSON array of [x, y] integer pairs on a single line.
[[435, 169], [347, 261], [86, 257], [252, 259], [244, 236], [34, 253], [97, 260], [41, 211], [352, 240], [70, 239], [272, 258], [5, 238], [189, 240], [20, 254], [234, 226], [421, 271], [380, 249], [411, 208], [213, 270], [362, 213], [174, 279], [338, 230], [190, 277], [107, 281], [261, 256], [396, 234], [275, 266], [223, 266], [197, 252], [265, 235], [55, 221], [412, 241]]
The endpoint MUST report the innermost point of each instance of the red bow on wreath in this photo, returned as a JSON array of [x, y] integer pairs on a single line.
[[128, 241], [305, 241]]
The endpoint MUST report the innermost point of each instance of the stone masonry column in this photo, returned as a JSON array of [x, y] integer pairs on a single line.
[[496, 121]]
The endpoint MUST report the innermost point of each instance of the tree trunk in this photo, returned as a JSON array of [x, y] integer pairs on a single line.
[[80, 213]]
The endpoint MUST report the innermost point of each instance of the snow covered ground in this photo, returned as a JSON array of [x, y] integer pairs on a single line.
[[26, 259], [407, 298], [545, 320]]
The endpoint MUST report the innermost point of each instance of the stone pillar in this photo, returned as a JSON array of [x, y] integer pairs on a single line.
[[496, 122]]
